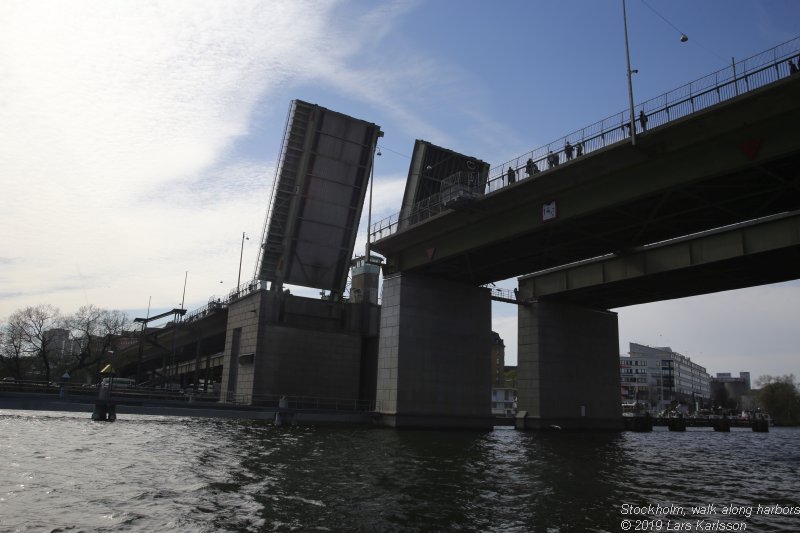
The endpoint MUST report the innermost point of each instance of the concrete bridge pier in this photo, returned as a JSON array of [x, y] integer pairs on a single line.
[[434, 368], [568, 367]]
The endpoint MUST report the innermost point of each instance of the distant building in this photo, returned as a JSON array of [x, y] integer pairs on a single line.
[[727, 391], [504, 401], [504, 395], [658, 376], [498, 355], [62, 345]]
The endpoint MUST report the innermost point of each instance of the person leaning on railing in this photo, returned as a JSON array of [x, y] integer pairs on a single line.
[[531, 168], [511, 174]]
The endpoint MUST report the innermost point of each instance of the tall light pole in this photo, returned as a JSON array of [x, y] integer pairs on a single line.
[[630, 72], [367, 256], [183, 297], [683, 39], [241, 254], [175, 324]]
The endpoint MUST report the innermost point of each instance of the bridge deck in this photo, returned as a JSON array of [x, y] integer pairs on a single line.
[[733, 162]]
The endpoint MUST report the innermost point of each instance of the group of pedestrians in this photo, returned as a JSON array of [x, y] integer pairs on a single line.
[[570, 150], [553, 160]]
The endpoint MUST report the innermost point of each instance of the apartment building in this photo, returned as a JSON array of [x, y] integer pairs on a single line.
[[657, 376]]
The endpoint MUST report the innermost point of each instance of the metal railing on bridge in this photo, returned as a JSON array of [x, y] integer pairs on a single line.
[[500, 294], [215, 303], [300, 402], [741, 77], [90, 392]]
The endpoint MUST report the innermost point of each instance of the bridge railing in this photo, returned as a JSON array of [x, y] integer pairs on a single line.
[[216, 303], [739, 78], [502, 294], [300, 402]]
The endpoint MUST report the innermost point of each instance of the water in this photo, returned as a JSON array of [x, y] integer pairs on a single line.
[[62, 472]]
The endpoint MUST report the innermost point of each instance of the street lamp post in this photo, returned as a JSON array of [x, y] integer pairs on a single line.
[[367, 256], [683, 39], [630, 72], [241, 254]]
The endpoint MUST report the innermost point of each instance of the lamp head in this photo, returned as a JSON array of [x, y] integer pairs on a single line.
[[684, 38]]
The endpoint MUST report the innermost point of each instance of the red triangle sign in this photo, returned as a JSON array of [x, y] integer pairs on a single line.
[[750, 148]]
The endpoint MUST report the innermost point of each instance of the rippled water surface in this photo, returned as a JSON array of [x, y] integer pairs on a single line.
[[62, 472]]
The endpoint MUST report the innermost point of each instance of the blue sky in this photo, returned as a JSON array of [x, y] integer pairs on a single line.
[[139, 138]]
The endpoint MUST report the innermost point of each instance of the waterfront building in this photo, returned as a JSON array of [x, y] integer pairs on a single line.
[[727, 391], [659, 376]]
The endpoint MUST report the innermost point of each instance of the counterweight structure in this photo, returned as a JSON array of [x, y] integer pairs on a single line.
[[439, 179]]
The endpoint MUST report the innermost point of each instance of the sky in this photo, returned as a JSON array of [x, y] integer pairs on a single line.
[[138, 140]]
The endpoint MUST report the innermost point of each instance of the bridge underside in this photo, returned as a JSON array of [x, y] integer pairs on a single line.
[[744, 255], [773, 188]]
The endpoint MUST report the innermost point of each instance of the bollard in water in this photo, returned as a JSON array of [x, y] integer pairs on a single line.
[[677, 424], [282, 415], [100, 412], [642, 423], [722, 424], [104, 409]]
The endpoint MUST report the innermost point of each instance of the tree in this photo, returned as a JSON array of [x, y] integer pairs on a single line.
[[780, 396], [98, 332], [27, 334], [11, 354]]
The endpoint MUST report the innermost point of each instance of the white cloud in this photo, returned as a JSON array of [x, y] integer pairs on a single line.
[[119, 119], [121, 123]]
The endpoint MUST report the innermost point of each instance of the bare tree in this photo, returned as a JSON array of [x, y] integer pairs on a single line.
[[97, 331], [11, 354], [28, 333]]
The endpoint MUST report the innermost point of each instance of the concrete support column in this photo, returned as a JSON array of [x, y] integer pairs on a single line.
[[434, 367], [568, 367]]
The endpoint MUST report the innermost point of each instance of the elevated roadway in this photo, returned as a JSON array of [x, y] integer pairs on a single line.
[[732, 162]]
